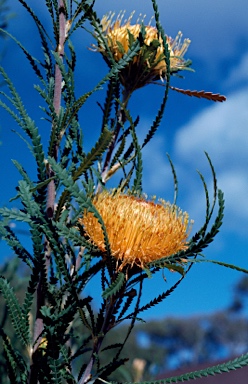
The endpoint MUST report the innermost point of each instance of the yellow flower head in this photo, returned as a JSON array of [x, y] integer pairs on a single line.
[[139, 231], [149, 63]]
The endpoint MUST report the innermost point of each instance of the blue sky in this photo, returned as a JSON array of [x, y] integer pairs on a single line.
[[219, 50]]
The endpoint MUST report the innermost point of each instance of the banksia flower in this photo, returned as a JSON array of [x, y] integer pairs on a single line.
[[139, 231], [149, 64]]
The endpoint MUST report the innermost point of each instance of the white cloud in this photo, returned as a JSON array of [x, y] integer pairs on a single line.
[[235, 185], [222, 131], [239, 73]]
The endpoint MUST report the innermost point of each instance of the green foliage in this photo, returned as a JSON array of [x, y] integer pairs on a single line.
[[217, 369], [114, 287], [66, 342], [15, 311]]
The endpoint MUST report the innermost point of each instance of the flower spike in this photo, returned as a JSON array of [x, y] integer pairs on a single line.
[[150, 62], [139, 231]]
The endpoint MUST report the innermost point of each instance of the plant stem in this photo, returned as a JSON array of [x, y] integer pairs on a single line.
[[51, 192], [107, 324], [57, 102], [98, 343]]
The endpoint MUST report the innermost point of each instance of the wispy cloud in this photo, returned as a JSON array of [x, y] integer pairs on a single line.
[[222, 131], [238, 75]]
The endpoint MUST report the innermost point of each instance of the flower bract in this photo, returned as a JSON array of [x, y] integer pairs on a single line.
[[149, 64]]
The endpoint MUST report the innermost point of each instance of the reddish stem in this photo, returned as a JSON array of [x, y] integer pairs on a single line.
[[51, 192], [57, 102]]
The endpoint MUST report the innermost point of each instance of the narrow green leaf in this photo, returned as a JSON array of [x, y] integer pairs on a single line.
[[227, 265], [14, 361], [115, 286], [129, 300], [231, 365], [32, 60], [8, 235], [157, 300], [99, 148], [15, 311], [42, 184], [112, 91], [15, 214], [42, 31], [23, 172], [174, 178]]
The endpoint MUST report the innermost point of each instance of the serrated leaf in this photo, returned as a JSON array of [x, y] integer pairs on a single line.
[[15, 214], [120, 47], [174, 179], [210, 371], [127, 304], [31, 290], [14, 361], [112, 92], [174, 267], [8, 235], [22, 172], [157, 300], [15, 312], [32, 60], [99, 148], [115, 286], [158, 118], [42, 184], [226, 265]]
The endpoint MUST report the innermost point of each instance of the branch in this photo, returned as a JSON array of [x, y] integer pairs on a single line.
[[51, 192], [57, 102]]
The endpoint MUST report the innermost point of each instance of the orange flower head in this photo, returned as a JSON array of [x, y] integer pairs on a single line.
[[149, 63], [139, 231]]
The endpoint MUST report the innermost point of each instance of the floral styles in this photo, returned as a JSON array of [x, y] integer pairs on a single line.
[[149, 64], [139, 231]]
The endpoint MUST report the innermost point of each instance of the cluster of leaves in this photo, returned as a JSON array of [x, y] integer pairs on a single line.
[[64, 341], [165, 339]]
